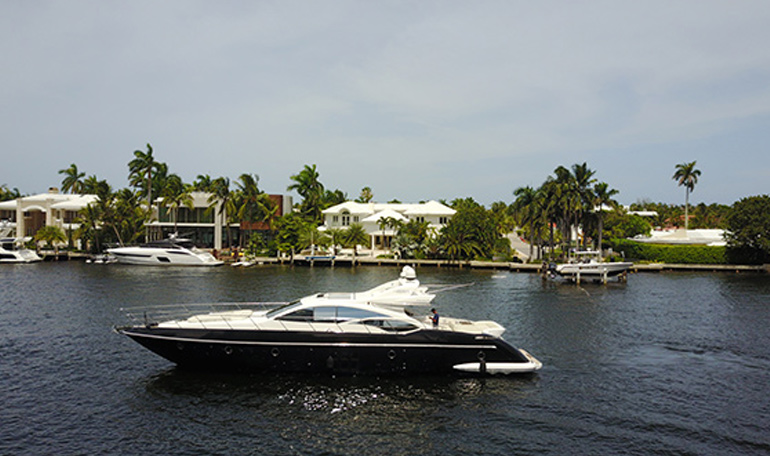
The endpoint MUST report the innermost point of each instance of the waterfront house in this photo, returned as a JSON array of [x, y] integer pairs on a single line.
[[204, 226], [373, 215], [30, 213]]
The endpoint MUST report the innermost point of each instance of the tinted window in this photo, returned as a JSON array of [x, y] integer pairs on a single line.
[[391, 325], [352, 313], [299, 315], [325, 314]]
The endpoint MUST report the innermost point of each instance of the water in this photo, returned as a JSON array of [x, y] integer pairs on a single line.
[[666, 364]]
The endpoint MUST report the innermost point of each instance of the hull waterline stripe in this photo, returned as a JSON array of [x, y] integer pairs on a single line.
[[307, 344]]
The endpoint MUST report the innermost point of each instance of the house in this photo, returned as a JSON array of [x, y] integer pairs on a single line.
[[373, 217], [203, 225], [30, 213]]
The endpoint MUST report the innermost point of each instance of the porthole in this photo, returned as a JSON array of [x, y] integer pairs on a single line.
[[481, 356], [392, 354], [275, 352], [228, 350]]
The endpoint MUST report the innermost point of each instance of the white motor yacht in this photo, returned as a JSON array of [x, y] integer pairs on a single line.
[[167, 252], [11, 252]]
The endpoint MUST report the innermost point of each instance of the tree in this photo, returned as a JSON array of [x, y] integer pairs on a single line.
[[310, 188], [332, 198], [748, 230], [222, 197], [140, 172], [73, 179], [470, 232], [603, 196], [354, 235], [52, 236], [526, 210], [366, 195], [130, 216], [252, 204], [289, 237], [7, 194], [202, 183], [686, 176], [583, 178], [90, 221], [174, 194], [336, 236]]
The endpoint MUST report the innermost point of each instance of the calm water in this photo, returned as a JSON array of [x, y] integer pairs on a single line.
[[665, 364]]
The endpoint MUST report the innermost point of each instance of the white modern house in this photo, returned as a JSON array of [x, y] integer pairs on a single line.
[[372, 216]]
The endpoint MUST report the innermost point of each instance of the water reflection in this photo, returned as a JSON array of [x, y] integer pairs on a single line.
[[332, 394]]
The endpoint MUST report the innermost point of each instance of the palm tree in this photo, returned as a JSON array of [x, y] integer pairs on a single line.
[[253, 205], [525, 208], [355, 235], [686, 176], [8, 194], [603, 196], [73, 179], [130, 216], [174, 194], [52, 235], [583, 178], [366, 195], [307, 185], [336, 235], [140, 172], [567, 201], [202, 183], [222, 196], [90, 221]]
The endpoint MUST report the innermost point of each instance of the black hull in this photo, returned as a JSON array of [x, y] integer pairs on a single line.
[[426, 351]]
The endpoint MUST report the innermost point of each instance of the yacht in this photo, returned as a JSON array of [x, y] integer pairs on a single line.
[[588, 265], [370, 332], [10, 252], [167, 252]]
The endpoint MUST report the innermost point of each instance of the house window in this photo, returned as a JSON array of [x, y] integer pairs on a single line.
[[355, 219], [345, 219], [443, 220], [420, 219], [335, 219]]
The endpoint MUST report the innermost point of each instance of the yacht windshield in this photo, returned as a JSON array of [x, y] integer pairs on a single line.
[[272, 313]]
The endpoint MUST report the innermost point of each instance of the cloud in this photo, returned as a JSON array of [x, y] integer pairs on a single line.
[[420, 98]]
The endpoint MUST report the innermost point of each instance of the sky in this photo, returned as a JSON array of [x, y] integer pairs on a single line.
[[418, 100]]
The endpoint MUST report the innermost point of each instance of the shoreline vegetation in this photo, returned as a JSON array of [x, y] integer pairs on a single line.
[[571, 210], [509, 266]]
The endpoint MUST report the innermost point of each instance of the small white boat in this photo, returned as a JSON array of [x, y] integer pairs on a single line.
[[167, 252], [12, 252], [587, 265]]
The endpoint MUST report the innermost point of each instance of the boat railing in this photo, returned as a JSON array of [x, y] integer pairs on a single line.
[[214, 316], [219, 312]]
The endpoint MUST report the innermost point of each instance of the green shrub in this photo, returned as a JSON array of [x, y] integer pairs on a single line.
[[675, 254]]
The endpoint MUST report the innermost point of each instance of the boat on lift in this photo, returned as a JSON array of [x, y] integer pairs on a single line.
[[588, 265], [370, 332]]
